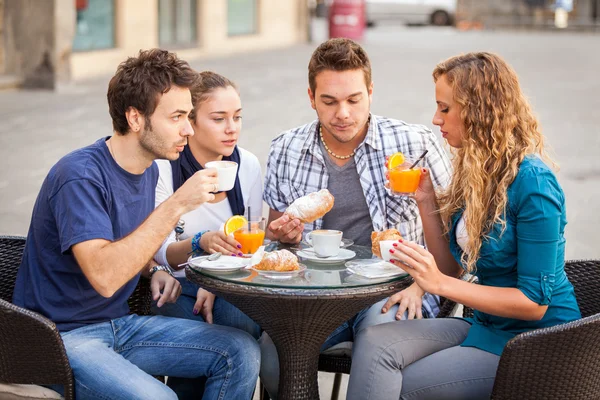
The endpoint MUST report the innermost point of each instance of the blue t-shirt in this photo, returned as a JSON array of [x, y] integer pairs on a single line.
[[529, 255], [85, 196]]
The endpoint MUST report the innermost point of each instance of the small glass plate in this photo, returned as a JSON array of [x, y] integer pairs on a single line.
[[280, 274]]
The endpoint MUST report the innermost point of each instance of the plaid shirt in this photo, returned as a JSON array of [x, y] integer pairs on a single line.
[[296, 167]]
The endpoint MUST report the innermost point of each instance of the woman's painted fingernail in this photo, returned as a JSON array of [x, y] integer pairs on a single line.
[[395, 244], [240, 254], [391, 250], [392, 261], [401, 241], [233, 255], [195, 312], [239, 246]]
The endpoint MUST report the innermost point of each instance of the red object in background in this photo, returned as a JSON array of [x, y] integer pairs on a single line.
[[347, 19], [81, 5]]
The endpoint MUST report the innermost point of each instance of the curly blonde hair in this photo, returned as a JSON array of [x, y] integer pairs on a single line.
[[499, 131]]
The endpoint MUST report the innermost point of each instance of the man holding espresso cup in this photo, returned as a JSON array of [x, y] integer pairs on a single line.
[[345, 151]]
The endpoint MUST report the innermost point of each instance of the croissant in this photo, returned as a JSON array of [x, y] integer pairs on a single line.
[[376, 237], [311, 207], [280, 260]]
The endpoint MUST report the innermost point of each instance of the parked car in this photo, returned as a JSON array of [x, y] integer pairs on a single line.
[[435, 12]]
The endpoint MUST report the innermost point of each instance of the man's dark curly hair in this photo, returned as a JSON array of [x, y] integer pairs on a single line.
[[140, 81]]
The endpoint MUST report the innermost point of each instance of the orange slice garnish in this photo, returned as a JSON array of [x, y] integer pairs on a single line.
[[395, 160], [234, 223]]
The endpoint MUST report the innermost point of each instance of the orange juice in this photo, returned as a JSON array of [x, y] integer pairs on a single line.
[[404, 181], [250, 240]]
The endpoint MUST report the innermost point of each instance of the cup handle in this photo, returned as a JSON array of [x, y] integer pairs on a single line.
[[308, 239]]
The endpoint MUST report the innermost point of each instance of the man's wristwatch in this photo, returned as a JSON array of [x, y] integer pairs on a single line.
[[165, 268]]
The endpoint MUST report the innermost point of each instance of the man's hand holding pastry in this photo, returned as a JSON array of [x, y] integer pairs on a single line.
[[286, 229]]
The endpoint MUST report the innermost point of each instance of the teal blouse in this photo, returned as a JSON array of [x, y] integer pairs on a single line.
[[529, 256]]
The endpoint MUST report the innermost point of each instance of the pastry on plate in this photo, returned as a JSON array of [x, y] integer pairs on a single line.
[[280, 260]]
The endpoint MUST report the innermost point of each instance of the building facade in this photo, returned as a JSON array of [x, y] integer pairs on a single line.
[[46, 42]]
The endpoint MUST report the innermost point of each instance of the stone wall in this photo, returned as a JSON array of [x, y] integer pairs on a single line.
[[34, 49]]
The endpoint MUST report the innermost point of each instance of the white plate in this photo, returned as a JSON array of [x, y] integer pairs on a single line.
[[309, 254], [224, 264], [345, 243], [374, 268], [280, 274]]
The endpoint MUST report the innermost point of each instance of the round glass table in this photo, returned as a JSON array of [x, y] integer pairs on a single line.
[[301, 311]]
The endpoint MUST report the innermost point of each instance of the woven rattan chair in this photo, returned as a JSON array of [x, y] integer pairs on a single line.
[[560, 362], [31, 349], [340, 364]]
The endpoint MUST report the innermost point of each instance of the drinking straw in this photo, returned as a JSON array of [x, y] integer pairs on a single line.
[[249, 219], [419, 159]]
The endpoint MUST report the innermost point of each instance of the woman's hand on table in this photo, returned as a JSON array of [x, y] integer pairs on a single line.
[[217, 241], [409, 299], [420, 264], [204, 305]]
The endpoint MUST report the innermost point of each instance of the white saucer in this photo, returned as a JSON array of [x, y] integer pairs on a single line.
[[309, 254], [345, 243], [374, 268], [280, 274], [224, 264]]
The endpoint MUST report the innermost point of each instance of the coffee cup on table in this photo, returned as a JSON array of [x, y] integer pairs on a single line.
[[325, 242], [226, 173]]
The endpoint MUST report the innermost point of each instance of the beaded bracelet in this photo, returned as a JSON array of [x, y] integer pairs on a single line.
[[196, 249]]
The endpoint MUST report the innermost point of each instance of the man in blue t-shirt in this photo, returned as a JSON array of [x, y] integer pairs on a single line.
[[94, 230]]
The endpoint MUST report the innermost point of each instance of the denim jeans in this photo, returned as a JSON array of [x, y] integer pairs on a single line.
[[116, 359], [269, 368], [224, 313], [420, 359]]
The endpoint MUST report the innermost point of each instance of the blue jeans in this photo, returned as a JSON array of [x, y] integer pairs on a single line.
[[269, 368], [224, 313], [116, 359]]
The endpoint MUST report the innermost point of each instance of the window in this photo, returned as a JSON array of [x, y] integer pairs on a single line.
[[241, 17], [177, 23], [95, 27]]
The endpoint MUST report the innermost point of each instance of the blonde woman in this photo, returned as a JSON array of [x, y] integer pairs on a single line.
[[502, 219]]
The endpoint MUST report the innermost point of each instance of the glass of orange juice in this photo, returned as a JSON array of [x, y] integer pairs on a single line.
[[404, 180], [251, 236]]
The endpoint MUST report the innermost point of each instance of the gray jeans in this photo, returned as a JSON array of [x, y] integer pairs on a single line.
[[420, 359]]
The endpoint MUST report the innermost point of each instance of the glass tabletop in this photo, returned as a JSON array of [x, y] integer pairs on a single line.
[[314, 273]]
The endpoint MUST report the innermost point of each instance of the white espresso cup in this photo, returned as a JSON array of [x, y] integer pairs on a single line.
[[325, 242], [227, 171], [385, 246]]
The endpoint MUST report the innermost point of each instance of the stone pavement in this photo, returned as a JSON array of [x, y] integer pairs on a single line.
[[558, 71]]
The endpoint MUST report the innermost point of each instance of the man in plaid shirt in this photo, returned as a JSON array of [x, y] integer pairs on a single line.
[[345, 151]]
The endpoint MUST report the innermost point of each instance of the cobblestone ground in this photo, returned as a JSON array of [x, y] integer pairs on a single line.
[[558, 71]]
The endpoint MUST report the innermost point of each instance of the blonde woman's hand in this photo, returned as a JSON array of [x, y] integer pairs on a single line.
[[213, 242], [425, 192], [420, 264], [410, 299]]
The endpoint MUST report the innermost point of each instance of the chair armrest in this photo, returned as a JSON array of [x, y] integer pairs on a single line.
[[31, 349], [558, 362]]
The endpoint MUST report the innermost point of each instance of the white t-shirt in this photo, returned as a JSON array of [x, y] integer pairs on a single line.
[[209, 216], [461, 234]]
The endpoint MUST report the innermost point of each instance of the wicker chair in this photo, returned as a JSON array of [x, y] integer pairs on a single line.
[[560, 362], [31, 349]]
